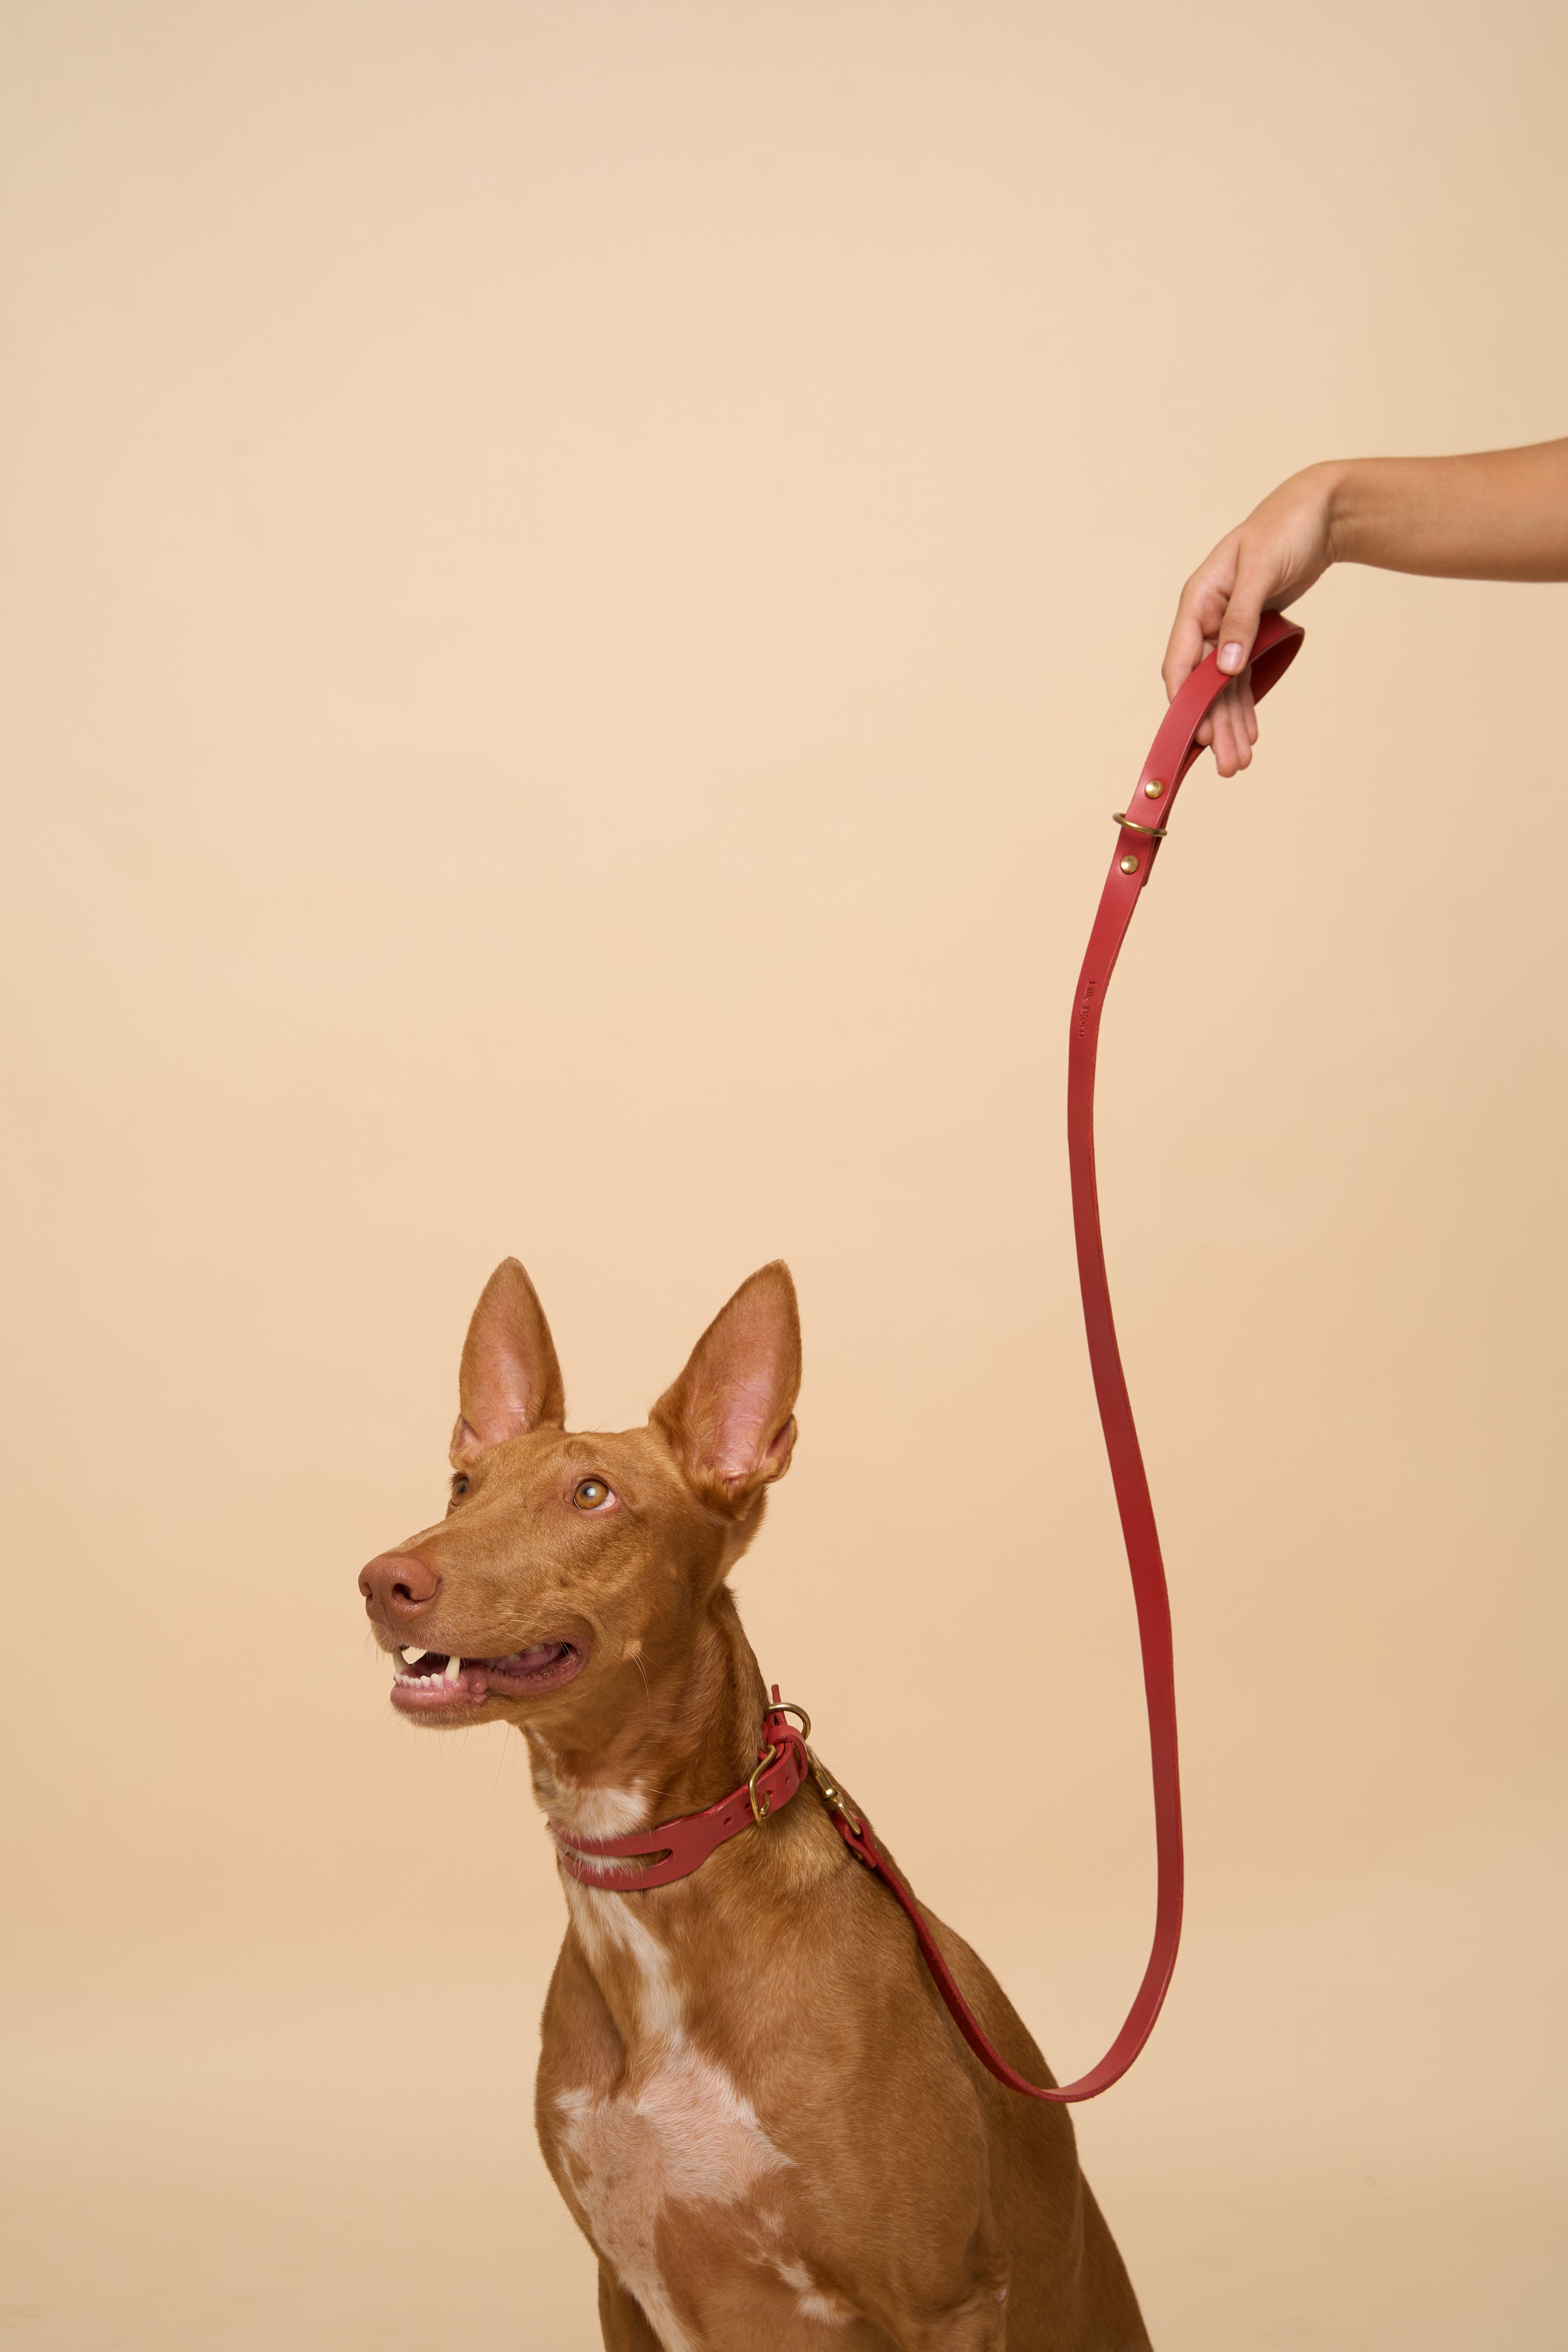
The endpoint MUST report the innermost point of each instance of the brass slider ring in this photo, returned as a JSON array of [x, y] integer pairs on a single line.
[[1154, 831], [760, 1806]]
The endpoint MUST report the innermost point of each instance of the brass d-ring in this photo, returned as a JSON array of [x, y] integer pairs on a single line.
[[759, 1812], [1154, 831], [787, 1706]]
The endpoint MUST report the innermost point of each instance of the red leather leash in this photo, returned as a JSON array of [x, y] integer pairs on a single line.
[[1142, 830], [686, 1843]]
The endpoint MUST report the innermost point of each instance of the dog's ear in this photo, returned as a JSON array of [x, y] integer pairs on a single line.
[[729, 1420], [509, 1380]]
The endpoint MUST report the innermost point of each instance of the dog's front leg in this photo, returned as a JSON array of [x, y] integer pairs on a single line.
[[621, 2319]]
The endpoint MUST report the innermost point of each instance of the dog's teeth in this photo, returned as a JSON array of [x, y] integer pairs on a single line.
[[454, 1669], [411, 1657]]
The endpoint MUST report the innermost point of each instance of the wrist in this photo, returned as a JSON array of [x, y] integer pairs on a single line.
[[1335, 485]]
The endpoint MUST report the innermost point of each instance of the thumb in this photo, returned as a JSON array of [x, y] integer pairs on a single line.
[[1237, 630]]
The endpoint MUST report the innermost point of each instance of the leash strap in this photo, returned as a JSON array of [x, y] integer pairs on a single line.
[[1141, 832]]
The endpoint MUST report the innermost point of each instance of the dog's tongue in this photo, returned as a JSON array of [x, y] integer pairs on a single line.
[[524, 1662], [435, 1665]]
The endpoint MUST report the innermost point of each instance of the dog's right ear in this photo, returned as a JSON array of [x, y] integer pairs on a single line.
[[509, 1380], [729, 1420]]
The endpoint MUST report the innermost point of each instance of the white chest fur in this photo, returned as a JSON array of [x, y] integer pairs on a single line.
[[680, 2133]]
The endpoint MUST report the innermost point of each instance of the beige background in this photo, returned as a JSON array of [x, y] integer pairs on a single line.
[[581, 581]]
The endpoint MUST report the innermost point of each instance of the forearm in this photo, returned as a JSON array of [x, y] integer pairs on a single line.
[[1501, 514]]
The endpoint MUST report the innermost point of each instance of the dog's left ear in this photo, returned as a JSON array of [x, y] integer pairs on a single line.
[[729, 1420]]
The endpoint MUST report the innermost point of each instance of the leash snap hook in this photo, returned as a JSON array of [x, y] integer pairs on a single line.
[[831, 1794]]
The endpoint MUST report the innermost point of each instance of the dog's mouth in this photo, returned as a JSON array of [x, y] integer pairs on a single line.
[[433, 1681]]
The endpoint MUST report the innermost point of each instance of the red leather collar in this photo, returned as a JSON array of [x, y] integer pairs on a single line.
[[675, 1849]]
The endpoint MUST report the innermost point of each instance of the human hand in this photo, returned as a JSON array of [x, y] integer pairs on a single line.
[[1266, 562]]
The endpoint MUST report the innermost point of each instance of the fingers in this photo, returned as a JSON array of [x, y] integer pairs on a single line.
[[1202, 605], [1284, 545], [1233, 719], [1243, 612], [1186, 646], [1223, 737]]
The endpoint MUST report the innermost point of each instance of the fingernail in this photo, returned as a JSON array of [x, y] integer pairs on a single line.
[[1230, 657]]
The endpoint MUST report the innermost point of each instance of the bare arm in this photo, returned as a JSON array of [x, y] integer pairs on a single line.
[[1499, 515]]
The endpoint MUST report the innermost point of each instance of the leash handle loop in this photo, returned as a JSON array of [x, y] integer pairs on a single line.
[[1171, 755]]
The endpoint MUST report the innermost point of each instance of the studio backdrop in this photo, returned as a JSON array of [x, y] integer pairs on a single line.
[[582, 584]]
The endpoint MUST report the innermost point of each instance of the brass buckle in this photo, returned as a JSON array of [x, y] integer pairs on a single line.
[[760, 1810], [832, 1794]]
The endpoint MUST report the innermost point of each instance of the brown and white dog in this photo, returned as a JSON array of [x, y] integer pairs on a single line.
[[750, 2095]]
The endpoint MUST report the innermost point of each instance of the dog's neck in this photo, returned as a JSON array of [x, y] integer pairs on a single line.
[[690, 1950], [680, 1734]]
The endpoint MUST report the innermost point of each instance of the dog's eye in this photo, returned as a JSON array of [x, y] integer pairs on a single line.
[[459, 1486], [592, 1495]]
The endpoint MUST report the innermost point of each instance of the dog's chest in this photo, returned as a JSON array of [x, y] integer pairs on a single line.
[[683, 2135], [685, 2194]]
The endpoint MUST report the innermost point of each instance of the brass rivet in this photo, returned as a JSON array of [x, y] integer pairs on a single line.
[[1130, 866], [1155, 788]]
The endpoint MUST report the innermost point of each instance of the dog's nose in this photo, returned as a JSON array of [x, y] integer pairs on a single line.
[[398, 1585]]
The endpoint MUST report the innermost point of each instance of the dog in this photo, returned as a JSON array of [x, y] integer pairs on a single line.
[[758, 2112]]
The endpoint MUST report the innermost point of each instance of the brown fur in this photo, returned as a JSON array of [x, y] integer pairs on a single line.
[[750, 2095]]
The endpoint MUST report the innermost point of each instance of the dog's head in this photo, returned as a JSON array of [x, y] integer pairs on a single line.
[[574, 1565]]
